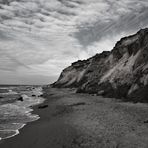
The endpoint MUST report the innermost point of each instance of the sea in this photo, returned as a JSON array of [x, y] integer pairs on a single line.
[[16, 104]]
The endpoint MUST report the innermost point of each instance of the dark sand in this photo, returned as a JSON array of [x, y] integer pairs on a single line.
[[83, 121]]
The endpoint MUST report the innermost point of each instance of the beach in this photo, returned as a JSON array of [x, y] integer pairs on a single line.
[[70, 120]]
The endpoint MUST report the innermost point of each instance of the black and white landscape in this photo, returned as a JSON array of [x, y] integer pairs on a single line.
[[73, 74]]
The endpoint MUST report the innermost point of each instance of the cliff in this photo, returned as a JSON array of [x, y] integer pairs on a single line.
[[121, 72]]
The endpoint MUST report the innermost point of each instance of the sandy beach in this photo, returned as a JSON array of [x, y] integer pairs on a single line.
[[69, 120]]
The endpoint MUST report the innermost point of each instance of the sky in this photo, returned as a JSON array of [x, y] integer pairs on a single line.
[[39, 38]]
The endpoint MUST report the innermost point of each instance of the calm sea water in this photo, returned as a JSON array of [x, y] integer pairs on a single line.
[[15, 113]]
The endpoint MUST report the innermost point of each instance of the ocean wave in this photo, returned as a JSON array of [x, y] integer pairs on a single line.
[[14, 116]]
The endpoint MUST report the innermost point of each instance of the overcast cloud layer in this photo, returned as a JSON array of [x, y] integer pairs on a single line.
[[38, 38]]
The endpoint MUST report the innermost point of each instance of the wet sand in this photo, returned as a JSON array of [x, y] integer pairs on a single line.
[[72, 120]]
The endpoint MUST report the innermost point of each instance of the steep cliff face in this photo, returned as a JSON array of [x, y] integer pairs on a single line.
[[72, 75], [120, 73]]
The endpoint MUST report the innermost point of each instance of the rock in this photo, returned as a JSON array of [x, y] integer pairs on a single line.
[[42, 106], [77, 104], [146, 121], [94, 94], [101, 92], [20, 99], [120, 73]]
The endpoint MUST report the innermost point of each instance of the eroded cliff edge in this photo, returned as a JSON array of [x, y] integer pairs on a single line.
[[120, 73]]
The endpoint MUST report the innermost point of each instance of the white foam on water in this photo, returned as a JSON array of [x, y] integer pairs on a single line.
[[10, 92], [20, 126], [20, 111], [16, 132], [11, 126]]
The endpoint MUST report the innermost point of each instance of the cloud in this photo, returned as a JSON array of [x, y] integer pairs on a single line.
[[41, 37], [120, 17]]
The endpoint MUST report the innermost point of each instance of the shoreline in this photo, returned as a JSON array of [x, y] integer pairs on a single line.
[[83, 121], [28, 112], [13, 142]]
